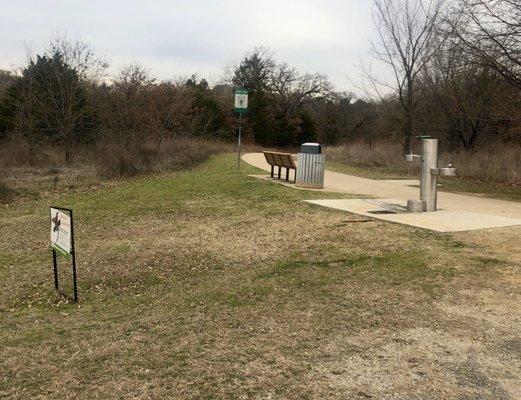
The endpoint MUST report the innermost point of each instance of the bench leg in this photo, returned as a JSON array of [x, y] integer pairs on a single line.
[[295, 176], [287, 174], [272, 170], [279, 171]]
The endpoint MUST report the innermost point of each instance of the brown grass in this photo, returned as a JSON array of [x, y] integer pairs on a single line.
[[495, 163], [30, 170], [198, 285], [115, 159], [379, 155]]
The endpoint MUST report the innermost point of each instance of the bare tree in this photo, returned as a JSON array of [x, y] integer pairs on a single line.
[[294, 90], [491, 31], [407, 40], [79, 56], [460, 96], [131, 106], [172, 106]]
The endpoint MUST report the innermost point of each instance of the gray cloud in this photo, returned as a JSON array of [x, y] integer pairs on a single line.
[[179, 37]]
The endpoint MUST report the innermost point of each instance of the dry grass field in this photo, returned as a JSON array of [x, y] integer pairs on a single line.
[[206, 284], [493, 171]]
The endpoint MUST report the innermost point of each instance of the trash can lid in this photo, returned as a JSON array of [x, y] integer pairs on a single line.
[[311, 148]]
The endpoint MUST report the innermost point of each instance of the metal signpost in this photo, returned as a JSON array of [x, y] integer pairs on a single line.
[[62, 241], [241, 106]]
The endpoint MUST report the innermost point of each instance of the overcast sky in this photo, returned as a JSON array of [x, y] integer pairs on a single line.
[[177, 38]]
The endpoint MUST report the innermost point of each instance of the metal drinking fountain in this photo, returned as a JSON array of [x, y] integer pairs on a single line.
[[428, 175]]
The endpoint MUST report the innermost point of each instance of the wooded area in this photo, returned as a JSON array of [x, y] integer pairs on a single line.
[[456, 69]]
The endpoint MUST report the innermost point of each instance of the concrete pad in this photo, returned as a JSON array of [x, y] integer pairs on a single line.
[[394, 210], [343, 183]]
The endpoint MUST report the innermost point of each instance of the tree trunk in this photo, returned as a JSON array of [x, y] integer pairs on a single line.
[[68, 154], [408, 109], [407, 132]]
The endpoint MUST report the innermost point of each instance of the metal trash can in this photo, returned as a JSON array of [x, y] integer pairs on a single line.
[[310, 166]]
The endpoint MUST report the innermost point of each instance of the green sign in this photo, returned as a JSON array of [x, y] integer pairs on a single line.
[[241, 100]]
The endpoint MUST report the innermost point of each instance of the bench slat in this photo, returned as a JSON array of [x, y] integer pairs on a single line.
[[284, 160]]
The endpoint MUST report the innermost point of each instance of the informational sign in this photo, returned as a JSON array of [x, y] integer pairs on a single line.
[[61, 233], [241, 100], [62, 241]]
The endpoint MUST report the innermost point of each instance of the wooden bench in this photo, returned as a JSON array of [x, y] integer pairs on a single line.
[[280, 160]]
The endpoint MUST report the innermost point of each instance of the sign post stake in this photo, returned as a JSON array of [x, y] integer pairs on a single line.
[[74, 280], [55, 265], [239, 146], [241, 106]]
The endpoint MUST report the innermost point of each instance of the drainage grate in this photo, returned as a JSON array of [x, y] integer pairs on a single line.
[[382, 212]]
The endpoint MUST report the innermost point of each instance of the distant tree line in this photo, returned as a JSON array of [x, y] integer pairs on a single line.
[[456, 68], [65, 97]]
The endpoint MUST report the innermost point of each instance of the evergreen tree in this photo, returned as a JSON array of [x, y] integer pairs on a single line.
[[49, 103]]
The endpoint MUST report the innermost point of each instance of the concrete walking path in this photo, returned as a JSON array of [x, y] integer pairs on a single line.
[[510, 211]]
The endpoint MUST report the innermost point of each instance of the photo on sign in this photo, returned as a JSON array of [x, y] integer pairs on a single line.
[[61, 238]]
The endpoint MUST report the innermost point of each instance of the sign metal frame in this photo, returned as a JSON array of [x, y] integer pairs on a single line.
[[241, 100], [69, 254]]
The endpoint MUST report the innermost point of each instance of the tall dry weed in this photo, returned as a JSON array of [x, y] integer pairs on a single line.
[[497, 163], [31, 169]]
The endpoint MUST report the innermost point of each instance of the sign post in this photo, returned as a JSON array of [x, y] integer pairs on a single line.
[[241, 106], [62, 241]]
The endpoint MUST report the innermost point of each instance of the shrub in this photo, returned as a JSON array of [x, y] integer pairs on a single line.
[[116, 159]]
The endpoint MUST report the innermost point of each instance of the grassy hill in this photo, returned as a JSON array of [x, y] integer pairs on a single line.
[[209, 284]]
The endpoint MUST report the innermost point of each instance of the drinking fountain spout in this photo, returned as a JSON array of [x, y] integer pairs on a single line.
[[449, 171]]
